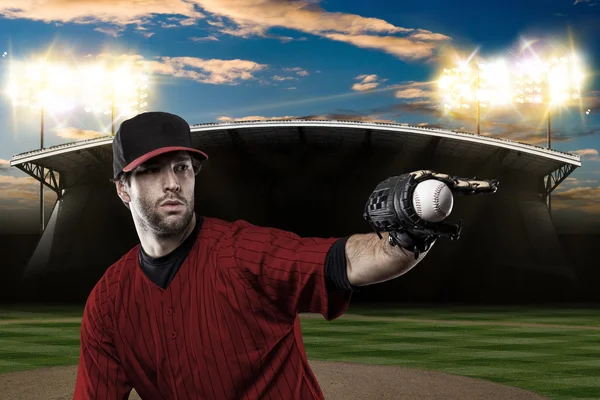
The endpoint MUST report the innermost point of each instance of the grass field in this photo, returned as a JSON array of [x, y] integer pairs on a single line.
[[551, 351]]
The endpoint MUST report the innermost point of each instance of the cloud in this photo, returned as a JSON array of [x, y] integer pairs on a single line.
[[299, 71], [20, 193], [349, 116], [572, 181], [4, 164], [189, 21], [587, 154], [241, 18], [533, 135], [367, 82], [403, 48], [577, 209], [111, 31], [247, 18], [584, 198], [204, 39], [284, 78], [420, 107], [252, 118], [78, 134], [412, 93], [165, 25], [252, 17], [116, 12], [423, 34], [213, 71]]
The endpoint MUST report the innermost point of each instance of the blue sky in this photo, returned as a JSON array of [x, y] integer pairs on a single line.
[[219, 60]]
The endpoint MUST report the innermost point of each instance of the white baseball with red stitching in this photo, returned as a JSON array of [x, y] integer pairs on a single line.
[[433, 200]]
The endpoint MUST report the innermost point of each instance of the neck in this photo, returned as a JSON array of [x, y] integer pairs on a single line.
[[156, 246]]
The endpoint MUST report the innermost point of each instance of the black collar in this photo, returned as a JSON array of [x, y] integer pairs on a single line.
[[179, 252]]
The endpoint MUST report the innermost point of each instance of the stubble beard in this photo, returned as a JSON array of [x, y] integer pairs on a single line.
[[165, 225]]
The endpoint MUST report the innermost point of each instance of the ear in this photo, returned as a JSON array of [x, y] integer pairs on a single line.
[[123, 193]]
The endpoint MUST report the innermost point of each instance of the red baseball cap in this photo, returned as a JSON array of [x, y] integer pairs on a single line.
[[148, 135]]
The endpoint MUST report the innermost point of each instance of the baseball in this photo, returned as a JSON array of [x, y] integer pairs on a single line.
[[433, 200]]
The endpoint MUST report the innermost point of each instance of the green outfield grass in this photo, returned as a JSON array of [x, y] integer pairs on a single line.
[[551, 351]]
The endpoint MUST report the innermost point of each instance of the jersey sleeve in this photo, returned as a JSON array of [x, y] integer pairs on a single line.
[[285, 269], [100, 374]]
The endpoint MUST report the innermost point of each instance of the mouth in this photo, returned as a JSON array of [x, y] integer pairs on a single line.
[[171, 205]]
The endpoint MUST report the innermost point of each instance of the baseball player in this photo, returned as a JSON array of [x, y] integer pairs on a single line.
[[204, 308]]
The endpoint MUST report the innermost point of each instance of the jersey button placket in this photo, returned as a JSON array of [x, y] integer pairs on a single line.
[[173, 333]]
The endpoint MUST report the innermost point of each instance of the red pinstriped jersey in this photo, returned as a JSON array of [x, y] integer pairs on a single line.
[[226, 327]]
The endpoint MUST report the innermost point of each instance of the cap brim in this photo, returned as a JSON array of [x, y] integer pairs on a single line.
[[154, 153]]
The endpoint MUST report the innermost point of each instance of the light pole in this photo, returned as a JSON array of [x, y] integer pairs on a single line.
[[478, 100], [548, 181], [112, 111], [42, 217]]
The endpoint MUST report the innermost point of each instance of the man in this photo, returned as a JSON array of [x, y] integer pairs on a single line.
[[208, 309]]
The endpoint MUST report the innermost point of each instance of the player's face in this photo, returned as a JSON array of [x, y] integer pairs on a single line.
[[162, 193]]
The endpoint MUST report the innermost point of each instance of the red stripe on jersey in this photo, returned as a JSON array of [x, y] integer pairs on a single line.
[[227, 326]]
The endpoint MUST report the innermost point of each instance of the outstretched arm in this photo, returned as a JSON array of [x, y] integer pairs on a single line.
[[371, 260]]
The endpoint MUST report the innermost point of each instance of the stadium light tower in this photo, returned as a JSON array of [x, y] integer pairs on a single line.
[[119, 91], [48, 86], [556, 82], [551, 81], [41, 86], [485, 85], [456, 85]]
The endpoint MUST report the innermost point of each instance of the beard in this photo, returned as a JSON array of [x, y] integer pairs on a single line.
[[165, 225]]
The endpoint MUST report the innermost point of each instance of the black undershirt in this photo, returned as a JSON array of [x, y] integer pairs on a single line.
[[163, 269]]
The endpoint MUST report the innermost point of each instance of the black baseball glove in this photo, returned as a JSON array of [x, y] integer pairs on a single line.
[[390, 209]]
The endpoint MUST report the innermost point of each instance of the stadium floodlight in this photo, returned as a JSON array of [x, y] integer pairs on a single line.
[[120, 90], [485, 85], [494, 86], [457, 86], [41, 85], [553, 82]]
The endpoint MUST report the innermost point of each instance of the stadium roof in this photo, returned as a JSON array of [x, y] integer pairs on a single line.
[[95, 154]]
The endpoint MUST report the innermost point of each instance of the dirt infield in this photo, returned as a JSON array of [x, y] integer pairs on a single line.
[[339, 381]]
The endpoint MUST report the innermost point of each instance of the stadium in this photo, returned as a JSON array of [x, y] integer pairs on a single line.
[[313, 177]]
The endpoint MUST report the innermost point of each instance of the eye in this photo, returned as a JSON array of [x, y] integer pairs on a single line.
[[183, 167]]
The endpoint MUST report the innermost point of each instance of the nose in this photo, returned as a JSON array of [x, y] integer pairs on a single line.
[[171, 181]]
